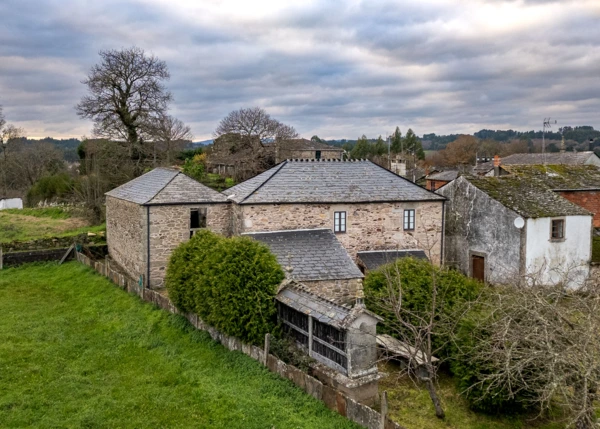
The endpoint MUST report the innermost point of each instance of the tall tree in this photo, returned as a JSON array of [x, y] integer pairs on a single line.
[[361, 149], [413, 145], [380, 147], [396, 143], [461, 151], [254, 124], [126, 96]]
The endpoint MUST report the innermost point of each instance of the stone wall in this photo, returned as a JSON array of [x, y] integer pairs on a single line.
[[170, 226], [320, 384], [372, 226], [340, 291], [126, 235], [310, 154]]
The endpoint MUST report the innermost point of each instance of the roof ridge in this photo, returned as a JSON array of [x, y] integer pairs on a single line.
[[263, 183], [166, 184], [404, 178]]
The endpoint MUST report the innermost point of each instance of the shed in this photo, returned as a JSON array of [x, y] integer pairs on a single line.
[[149, 216]]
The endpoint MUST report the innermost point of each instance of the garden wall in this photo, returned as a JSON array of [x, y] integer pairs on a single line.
[[333, 399]]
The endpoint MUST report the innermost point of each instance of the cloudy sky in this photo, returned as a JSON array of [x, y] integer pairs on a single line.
[[333, 68]]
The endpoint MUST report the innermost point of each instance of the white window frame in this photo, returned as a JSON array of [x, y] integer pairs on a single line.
[[408, 217], [339, 222]]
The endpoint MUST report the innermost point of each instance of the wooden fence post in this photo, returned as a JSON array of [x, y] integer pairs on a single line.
[[267, 345], [384, 409]]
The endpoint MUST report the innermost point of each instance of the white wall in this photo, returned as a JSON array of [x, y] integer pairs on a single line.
[[11, 203], [552, 262]]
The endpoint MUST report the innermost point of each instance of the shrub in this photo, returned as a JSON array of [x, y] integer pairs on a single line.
[[229, 282], [416, 277], [50, 187]]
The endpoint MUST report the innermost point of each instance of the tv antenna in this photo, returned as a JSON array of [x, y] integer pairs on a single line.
[[547, 125]]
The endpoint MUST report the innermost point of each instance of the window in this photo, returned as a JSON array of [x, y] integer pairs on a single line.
[[318, 154], [558, 229], [197, 220], [339, 222], [409, 220]]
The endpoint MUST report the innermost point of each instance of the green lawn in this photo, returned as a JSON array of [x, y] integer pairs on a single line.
[[77, 352], [31, 224]]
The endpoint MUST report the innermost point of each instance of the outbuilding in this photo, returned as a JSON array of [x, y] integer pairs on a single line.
[[149, 216]]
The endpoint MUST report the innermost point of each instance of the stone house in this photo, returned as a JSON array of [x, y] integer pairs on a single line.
[[149, 216], [436, 180], [365, 205], [307, 149], [315, 258], [507, 229]]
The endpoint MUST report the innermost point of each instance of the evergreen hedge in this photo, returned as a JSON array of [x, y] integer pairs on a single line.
[[229, 282]]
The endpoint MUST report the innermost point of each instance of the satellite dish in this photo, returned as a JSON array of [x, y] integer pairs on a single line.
[[519, 222]]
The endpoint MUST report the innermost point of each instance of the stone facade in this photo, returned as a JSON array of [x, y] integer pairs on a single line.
[[126, 235], [126, 229], [339, 291], [170, 226], [311, 154], [369, 226]]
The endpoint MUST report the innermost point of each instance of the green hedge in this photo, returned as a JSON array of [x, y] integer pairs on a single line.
[[416, 277], [229, 282]]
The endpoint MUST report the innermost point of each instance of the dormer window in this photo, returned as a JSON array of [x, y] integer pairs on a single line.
[[197, 220], [339, 222]]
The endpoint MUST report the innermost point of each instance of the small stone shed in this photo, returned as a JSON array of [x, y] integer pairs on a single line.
[[149, 216], [317, 259], [341, 337]]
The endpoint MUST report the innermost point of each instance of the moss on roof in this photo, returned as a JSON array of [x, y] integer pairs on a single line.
[[529, 198], [559, 176]]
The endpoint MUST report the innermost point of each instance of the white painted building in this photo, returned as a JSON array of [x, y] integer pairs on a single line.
[[11, 203], [507, 230]]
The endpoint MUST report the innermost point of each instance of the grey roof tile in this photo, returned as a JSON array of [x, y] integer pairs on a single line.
[[327, 181], [568, 158], [166, 186], [297, 248], [376, 258]]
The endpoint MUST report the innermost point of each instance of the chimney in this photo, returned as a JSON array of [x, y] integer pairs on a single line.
[[496, 166]]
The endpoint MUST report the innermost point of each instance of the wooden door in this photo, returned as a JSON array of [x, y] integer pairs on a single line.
[[478, 267]]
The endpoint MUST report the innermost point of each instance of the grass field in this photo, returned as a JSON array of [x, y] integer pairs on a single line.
[[30, 224], [77, 352]]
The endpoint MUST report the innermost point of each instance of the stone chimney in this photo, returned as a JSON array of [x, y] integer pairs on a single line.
[[496, 166]]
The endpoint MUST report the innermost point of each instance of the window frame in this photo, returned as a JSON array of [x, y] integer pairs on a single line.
[[563, 223], [409, 224], [340, 222], [202, 219]]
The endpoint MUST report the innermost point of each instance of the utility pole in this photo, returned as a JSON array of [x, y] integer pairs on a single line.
[[389, 154]]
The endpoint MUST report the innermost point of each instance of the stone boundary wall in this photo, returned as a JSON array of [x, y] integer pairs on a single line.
[[332, 398], [52, 242], [13, 259]]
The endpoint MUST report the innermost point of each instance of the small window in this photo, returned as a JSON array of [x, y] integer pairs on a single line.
[[318, 154], [339, 222], [197, 220], [409, 220], [558, 229]]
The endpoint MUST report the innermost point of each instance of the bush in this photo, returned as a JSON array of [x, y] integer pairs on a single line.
[[416, 277], [58, 186], [229, 282]]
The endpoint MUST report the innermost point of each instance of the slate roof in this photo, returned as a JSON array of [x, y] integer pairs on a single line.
[[568, 158], [376, 258], [328, 181], [447, 176], [528, 198], [314, 254], [301, 299], [165, 186]]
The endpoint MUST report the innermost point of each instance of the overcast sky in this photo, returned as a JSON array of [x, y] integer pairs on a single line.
[[332, 68]]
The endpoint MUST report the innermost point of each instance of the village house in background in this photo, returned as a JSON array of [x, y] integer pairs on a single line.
[[366, 206], [553, 158], [436, 180], [306, 149], [513, 226], [148, 217]]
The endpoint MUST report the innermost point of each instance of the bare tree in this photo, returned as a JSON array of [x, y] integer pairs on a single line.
[[170, 134], [540, 344], [254, 122], [126, 95]]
